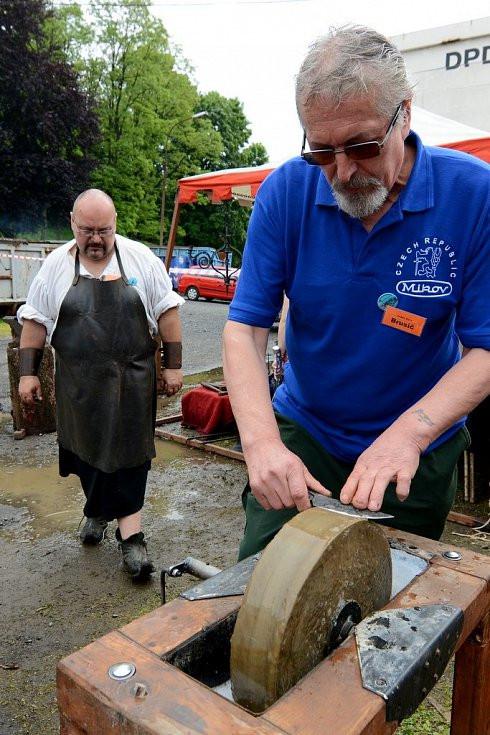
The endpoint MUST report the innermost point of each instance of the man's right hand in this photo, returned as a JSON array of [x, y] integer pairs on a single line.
[[278, 478], [30, 390]]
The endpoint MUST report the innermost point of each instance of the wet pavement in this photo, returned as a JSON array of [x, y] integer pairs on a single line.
[[57, 596]]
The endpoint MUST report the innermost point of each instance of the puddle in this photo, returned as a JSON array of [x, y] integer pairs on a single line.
[[53, 503], [36, 501]]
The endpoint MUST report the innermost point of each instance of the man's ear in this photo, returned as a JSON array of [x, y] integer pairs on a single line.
[[407, 117]]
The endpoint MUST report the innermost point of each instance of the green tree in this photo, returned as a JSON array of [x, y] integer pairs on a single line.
[[228, 118], [146, 104], [47, 123], [203, 224], [142, 93]]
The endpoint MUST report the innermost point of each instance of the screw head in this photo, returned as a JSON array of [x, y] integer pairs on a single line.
[[122, 671], [452, 555]]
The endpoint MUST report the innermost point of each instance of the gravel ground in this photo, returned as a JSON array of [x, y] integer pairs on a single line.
[[58, 596]]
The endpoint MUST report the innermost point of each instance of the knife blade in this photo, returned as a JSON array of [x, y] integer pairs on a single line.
[[326, 503]]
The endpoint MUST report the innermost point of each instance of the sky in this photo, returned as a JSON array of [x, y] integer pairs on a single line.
[[252, 49]]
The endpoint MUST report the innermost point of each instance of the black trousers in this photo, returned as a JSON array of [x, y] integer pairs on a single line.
[[109, 495]]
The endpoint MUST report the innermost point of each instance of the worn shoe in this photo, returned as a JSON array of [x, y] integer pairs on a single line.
[[135, 556], [93, 531]]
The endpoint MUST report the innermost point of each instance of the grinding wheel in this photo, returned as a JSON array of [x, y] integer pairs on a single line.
[[322, 573]]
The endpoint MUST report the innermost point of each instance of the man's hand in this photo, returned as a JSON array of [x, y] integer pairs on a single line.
[[394, 456], [172, 381], [30, 390], [278, 478]]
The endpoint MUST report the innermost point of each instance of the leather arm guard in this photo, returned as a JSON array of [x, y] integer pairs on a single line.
[[171, 355], [29, 360]]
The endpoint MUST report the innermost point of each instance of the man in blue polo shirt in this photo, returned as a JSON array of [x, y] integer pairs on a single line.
[[383, 248]]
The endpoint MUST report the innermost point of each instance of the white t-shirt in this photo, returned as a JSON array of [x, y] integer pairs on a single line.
[[143, 270]]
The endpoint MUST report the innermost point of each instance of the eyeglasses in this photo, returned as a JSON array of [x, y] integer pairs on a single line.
[[91, 232], [356, 151]]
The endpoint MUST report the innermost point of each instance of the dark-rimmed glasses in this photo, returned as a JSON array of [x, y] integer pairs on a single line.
[[356, 151], [91, 232]]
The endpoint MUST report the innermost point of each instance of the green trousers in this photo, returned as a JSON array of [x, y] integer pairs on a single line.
[[424, 512]]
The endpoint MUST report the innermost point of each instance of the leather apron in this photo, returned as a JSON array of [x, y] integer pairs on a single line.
[[105, 373]]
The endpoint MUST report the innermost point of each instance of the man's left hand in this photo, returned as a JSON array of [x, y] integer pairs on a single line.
[[172, 381], [394, 456]]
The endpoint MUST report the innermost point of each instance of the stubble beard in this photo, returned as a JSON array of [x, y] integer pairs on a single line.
[[361, 197]]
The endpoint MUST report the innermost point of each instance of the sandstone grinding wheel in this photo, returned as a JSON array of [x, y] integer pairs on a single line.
[[322, 573]]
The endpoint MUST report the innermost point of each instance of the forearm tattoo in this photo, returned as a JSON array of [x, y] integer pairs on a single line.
[[422, 417]]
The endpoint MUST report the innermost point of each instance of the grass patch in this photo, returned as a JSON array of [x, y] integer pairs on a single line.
[[425, 721], [4, 329]]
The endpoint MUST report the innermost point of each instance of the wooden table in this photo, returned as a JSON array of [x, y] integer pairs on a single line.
[[162, 700]]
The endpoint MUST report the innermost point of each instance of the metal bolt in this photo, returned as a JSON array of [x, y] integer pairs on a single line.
[[452, 555], [427, 664], [380, 682], [438, 652], [140, 691], [436, 677], [122, 671], [424, 690]]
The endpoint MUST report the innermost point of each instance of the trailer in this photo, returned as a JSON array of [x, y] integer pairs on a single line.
[[449, 65], [19, 262]]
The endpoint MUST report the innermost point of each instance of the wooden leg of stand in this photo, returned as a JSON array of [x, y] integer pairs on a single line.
[[471, 692], [472, 477]]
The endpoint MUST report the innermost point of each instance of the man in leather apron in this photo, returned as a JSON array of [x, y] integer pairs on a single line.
[[104, 296]]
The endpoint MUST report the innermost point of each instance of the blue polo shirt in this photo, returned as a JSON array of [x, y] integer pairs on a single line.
[[349, 376]]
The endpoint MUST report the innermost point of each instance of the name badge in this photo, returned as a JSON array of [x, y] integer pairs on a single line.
[[405, 321]]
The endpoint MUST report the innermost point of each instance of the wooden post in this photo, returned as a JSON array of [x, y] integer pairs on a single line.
[[42, 419], [471, 691]]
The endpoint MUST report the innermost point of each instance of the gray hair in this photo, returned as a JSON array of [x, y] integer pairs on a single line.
[[351, 61]]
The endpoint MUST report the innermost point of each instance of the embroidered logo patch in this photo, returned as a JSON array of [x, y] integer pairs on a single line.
[[132, 281], [429, 268]]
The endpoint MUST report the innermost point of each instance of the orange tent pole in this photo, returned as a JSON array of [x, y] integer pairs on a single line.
[[173, 232]]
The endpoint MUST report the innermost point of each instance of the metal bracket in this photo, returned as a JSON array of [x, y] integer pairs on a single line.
[[232, 581], [403, 653], [402, 545]]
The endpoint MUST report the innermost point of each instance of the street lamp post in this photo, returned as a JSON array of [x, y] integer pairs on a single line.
[[202, 113]]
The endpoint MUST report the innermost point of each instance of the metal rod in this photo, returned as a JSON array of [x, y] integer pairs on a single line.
[[199, 568], [168, 419], [207, 447], [472, 477], [190, 565]]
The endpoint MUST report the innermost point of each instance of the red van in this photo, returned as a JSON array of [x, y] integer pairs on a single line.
[[207, 284]]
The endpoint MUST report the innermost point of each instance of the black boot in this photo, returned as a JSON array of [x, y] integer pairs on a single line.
[[93, 531], [135, 556]]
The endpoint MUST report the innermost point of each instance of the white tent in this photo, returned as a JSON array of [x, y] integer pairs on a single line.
[[437, 130]]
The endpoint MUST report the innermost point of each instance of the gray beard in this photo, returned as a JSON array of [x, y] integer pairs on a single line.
[[360, 204]]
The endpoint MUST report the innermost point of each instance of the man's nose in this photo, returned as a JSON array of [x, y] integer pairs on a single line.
[[345, 167]]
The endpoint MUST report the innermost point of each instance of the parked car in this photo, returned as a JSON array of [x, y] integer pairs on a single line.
[[209, 285]]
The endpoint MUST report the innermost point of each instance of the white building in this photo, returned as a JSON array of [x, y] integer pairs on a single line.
[[451, 68]]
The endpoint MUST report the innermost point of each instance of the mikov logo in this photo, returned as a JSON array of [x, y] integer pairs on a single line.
[[424, 288]]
